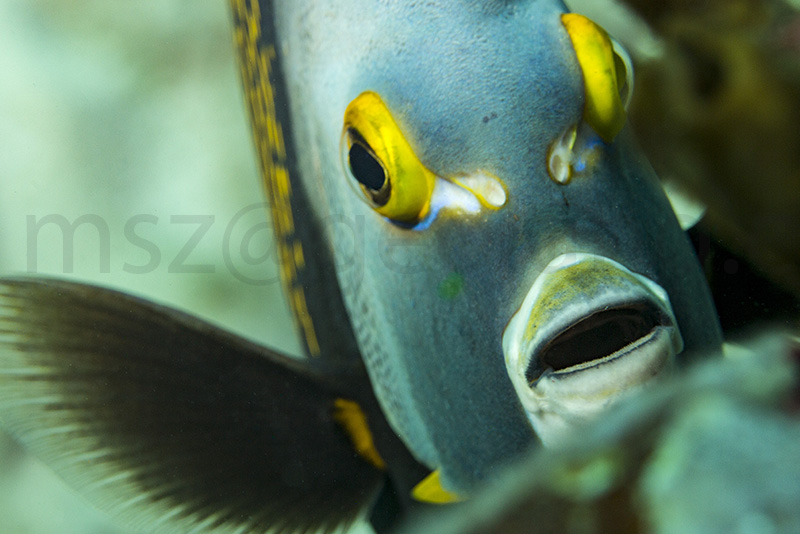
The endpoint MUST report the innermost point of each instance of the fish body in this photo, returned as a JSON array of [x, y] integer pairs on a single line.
[[477, 88], [477, 256], [670, 460]]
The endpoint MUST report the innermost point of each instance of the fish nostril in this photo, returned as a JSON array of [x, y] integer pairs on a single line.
[[595, 337]]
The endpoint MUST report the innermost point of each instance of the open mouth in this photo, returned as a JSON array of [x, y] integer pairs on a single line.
[[588, 332], [597, 338]]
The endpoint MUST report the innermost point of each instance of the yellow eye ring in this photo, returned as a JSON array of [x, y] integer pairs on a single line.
[[607, 75], [382, 163]]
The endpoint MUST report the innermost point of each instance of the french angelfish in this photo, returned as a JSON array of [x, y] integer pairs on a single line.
[[477, 257]]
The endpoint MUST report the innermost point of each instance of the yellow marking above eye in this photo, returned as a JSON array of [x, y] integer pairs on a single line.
[[606, 75], [391, 177]]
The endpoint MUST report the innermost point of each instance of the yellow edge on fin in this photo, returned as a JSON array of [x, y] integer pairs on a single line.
[[352, 419], [430, 490], [257, 64], [604, 110]]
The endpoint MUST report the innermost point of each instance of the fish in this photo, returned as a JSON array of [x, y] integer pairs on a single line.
[[478, 259], [704, 451]]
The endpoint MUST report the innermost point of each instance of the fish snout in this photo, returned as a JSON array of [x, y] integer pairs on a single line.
[[588, 332]]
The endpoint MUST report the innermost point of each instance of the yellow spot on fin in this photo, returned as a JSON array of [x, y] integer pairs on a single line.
[[604, 110], [352, 419], [430, 490]]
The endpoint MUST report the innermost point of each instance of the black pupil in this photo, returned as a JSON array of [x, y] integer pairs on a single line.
[[366, 168]]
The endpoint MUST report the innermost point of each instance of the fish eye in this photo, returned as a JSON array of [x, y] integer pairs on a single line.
[[368, 171], [382, 166]]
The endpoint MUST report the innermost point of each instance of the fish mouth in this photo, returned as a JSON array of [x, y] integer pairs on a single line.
[[600, 337], [588, 332]]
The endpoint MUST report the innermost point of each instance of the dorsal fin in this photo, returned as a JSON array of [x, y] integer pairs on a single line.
[[307, 268]]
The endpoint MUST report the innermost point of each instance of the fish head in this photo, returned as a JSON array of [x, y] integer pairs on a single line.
[[507, 258]]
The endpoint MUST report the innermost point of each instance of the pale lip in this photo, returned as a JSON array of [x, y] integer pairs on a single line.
[[588, 332]]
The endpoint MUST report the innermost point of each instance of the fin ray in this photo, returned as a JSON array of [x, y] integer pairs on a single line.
[[170, 422]]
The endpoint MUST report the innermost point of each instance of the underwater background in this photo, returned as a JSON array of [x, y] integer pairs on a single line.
[[129, 118]]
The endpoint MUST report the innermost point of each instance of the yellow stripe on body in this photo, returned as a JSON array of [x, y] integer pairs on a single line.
[[256, 70]]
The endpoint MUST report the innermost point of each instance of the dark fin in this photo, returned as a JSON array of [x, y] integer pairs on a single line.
[[171, 423], [307, 268], [395, 504], [386, 511]]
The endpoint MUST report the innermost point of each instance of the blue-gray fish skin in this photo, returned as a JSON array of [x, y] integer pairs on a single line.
[[475, 86]]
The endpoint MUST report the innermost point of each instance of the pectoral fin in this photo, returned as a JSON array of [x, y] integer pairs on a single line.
[[170, 422]]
